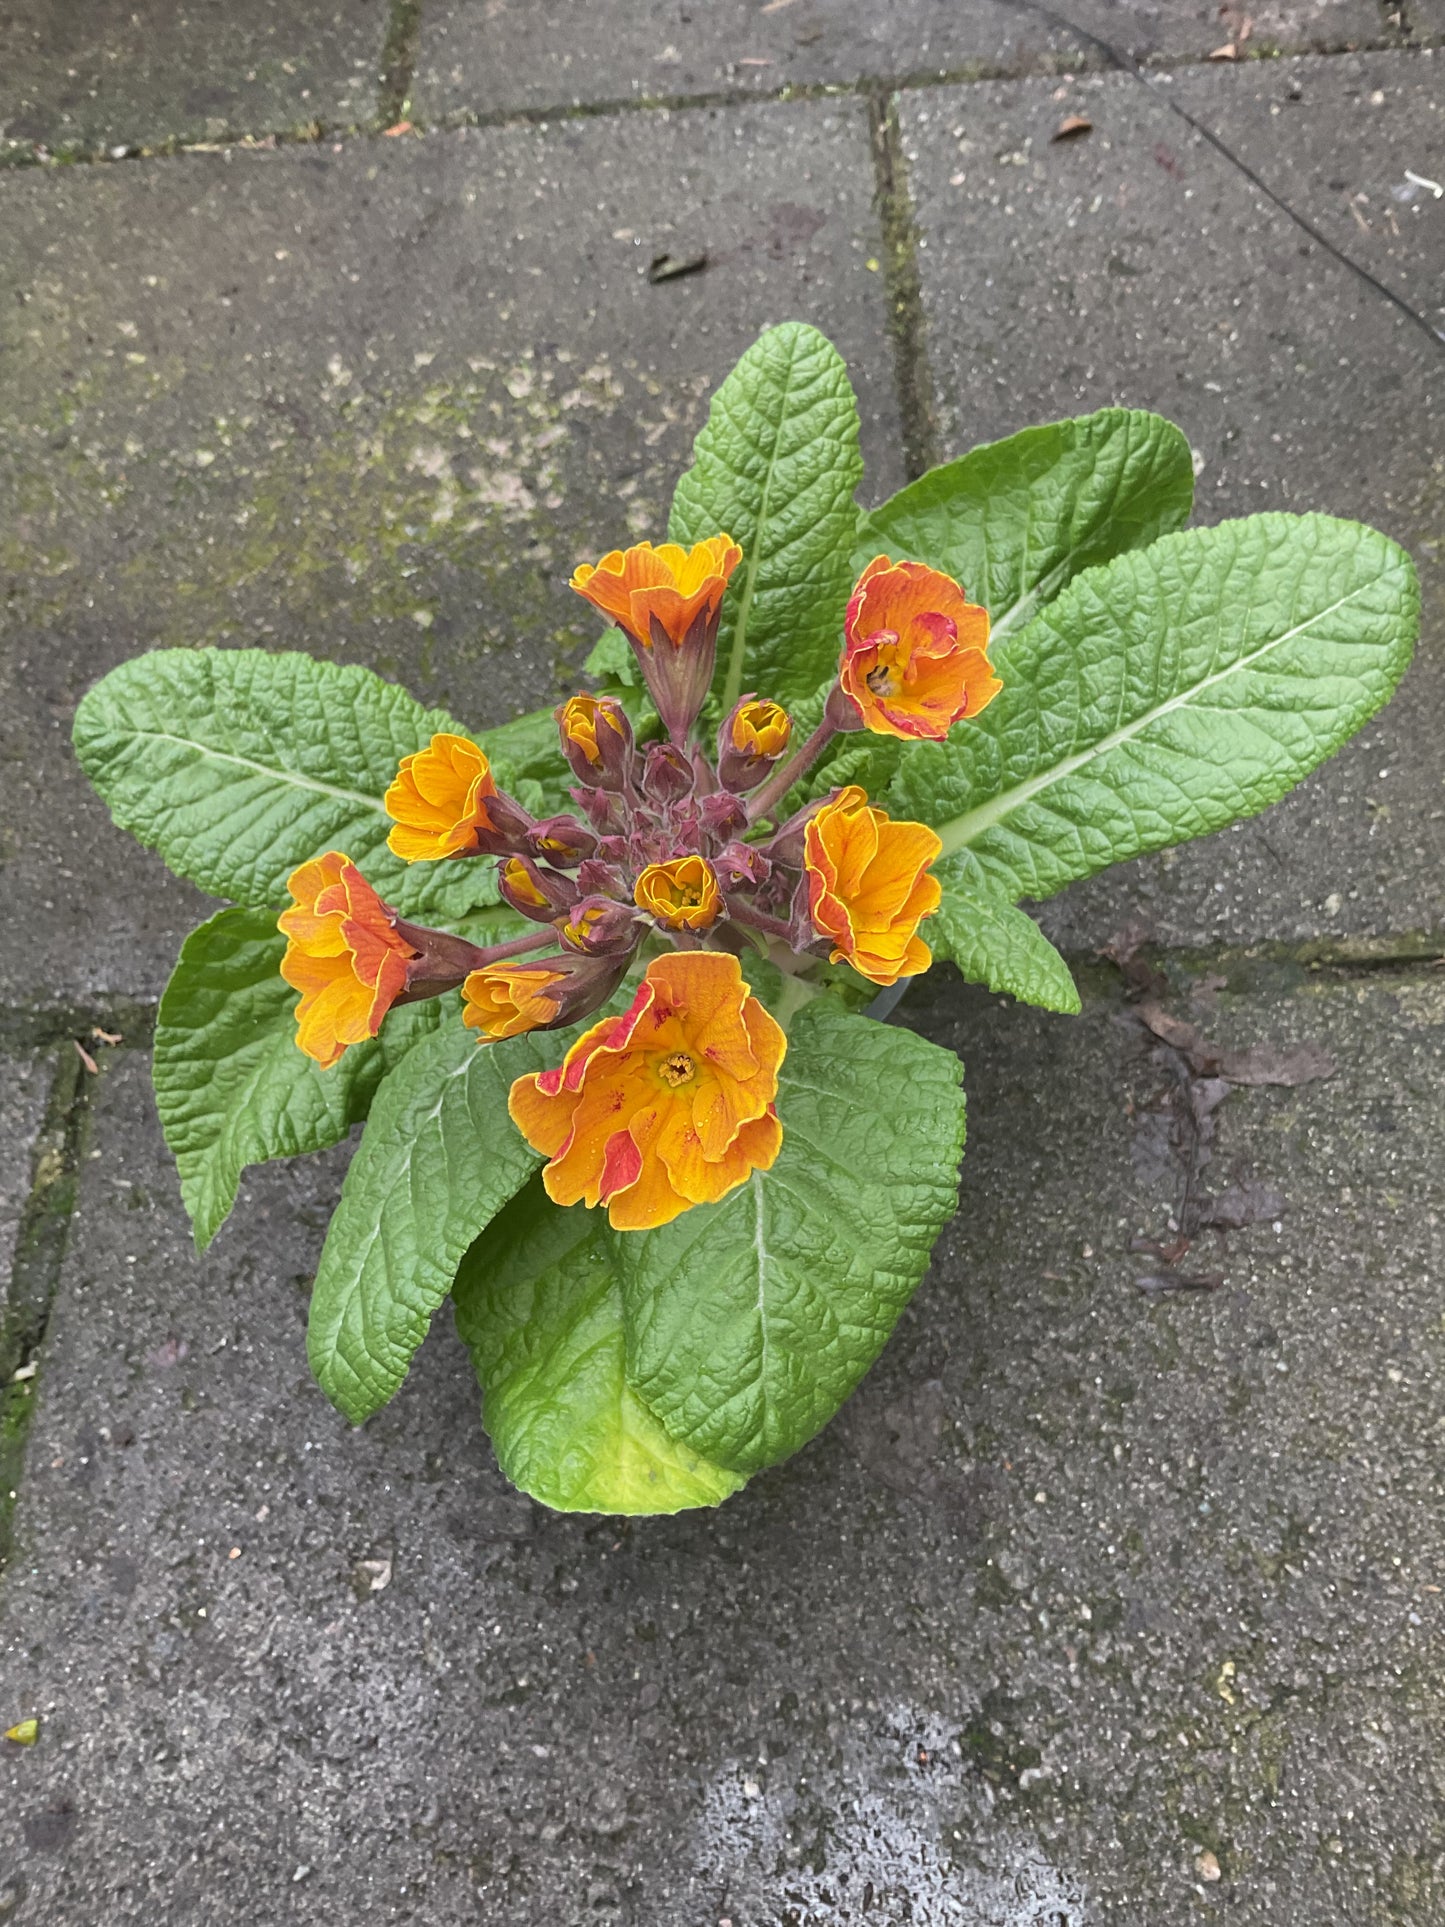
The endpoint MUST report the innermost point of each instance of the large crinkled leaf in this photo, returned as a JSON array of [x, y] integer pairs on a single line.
[[750, 1321], [437, 1161], [776, 467], [237, 765], [539, 1306], [1168, 693], [1015, 520], [993, 942], [231, 1086]]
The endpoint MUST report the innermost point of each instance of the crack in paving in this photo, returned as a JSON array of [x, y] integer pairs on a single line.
[[1124, 63], [398, 68], [912, 375], [35, 1273], [398, 61]]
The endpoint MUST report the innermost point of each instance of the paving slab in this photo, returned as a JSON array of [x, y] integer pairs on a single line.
[[493, 57], [1087, 1584], [93, 76], [373, 400], [1358, 165], [1139, 265]]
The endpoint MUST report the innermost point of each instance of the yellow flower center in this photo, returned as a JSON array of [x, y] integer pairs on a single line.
[[677, 1069], [884, 678]]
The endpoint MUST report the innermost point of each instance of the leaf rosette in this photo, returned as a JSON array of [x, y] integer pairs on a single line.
[[594, 982]]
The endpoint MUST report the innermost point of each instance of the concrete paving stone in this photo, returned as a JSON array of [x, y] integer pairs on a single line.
[[493, 57], [1083, 1585], [1371, 121], [1138, 265], [92, 75], [24, 1089], [374, 401]]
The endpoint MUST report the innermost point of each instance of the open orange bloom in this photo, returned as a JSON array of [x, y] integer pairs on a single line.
[[915, 651], [681, 895], [342, 954], [506, 999], [667, 1106], [868, 886], [438, 800], [667, 586]]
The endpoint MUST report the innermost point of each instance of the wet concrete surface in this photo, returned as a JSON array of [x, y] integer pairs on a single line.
[[1086, 1585], [1054, 281], [375, 403], [103, 77]]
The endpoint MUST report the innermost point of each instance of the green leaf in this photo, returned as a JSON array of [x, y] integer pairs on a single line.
[[612, 660], [1167, 694], [539, 1306], [993, 942], [437, 1161], [237, 765], [750, 1321], [231, 1086], [1015, 520], [776, 467]]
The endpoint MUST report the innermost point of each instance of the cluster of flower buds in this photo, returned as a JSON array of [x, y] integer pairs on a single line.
[[668, 848]]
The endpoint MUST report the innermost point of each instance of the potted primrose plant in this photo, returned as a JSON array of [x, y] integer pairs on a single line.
[[598, 981]]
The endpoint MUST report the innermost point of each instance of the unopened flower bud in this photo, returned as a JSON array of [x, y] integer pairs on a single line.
[[542, 895], [750, 742], [723, 814], [742, 866], [598, 878], [563, 840], [544, 993], [604, 809], [596, 740], [600, 927], [667, 775]]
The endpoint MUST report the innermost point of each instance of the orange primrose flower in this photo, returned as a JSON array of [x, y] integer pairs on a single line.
[[868, 886], [438, 800], [681, 895], [506, 999], [667, 1106], [915, 651], [667, 586], [581, 717], [342, 954], [760, 728]]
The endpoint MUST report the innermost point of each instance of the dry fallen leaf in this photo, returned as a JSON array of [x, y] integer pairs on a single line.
[[401, 127], [1207, 1866], [1288, 1064], [378, 1572], [1071, 127], [672, 267], [86, 1058], [1227, 52], [106, 1036]]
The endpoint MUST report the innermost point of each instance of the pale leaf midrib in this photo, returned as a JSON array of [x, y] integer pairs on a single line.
[[289, 778], [732, 688], [962, 830]]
